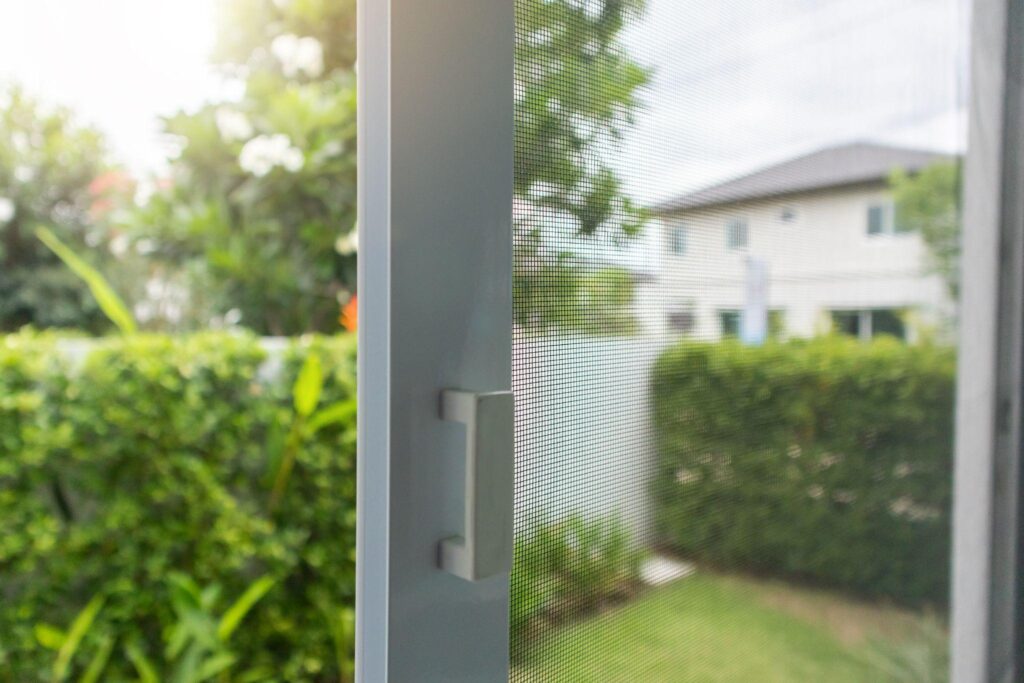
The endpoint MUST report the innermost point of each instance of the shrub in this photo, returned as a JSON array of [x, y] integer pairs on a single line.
[[568, 567], [825, 460], [155, 457]]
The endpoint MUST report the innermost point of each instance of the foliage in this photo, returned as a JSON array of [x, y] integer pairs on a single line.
[[243, 38], [197, 646], [577, 95], [259, 208], [565, 296], [825, 460], [198, 643], [566, 567], [928, 202], [49, 167], [307, 420], [67, 643], [106, 298], [104, 493]]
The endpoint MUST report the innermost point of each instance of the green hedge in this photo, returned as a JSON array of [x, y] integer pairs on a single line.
[[154, 458], [826, 460]]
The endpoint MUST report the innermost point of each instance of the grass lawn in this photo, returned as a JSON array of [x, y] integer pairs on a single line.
[[709, 628]]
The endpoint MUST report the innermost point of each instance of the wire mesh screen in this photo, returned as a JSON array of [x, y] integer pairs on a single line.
[[736, 253]]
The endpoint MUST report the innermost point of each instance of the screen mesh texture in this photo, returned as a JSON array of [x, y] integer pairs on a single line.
[[733, 348]]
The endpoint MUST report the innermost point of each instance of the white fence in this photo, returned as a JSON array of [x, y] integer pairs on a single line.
[[584, 439]]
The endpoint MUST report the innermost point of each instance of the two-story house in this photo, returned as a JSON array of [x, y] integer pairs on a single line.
[[823, 227]]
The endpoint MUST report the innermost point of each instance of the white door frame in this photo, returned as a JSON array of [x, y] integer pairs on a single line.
[[435, 289], [987, 550]]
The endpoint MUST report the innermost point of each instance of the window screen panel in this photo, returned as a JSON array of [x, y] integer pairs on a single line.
[[733, 457]]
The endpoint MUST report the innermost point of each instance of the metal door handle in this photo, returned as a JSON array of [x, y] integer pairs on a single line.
[[485, 548]]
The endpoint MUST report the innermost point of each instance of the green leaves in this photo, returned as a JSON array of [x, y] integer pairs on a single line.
[[306, 423], [58, 161], [308, 386], [260, 237], [825, 460], [143, 666], [167, 445], [577, 89], [576, 561], [928, 202], [49, 636], [341, 622], [68, 644], [337, 413], [234, 615], [197, 645], [98, 663], [104, 294]]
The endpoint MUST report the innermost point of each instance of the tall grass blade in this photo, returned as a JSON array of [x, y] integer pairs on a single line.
[[233, 617], [107, 299], [79, 627]]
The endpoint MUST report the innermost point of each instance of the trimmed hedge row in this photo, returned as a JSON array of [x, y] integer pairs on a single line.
[[154, 457], [827, 460]]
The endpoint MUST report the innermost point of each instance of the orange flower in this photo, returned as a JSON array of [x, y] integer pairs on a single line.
[[110, 181], [349, 317]]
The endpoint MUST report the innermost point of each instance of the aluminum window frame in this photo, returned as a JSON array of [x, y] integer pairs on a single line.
[[987, 615], [435, 287]]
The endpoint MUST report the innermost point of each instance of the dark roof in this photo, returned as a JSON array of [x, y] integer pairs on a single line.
[[852, 164]]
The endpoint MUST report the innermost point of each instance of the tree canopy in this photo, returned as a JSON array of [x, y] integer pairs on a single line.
[[928, 202], [52, 174], [252, 219], [577, 95], [260, 206]]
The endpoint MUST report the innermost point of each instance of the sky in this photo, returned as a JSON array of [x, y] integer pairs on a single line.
[[742, 83], [118, 63], [738, 83]]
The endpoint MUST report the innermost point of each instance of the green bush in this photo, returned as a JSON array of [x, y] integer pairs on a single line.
[[825, 460], [566, 568], [155, 457]]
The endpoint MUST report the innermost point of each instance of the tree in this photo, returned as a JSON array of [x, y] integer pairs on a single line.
[[261, 206], [53, 173], [259, 210], [928, 202], [576, 97]]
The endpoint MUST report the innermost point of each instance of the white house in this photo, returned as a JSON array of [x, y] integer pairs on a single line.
[[822, 226]]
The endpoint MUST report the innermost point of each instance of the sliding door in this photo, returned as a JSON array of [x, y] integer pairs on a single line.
[[663, 308]]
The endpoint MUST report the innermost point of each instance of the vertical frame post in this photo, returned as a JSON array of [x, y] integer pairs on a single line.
[[435, 289], [986, 615]]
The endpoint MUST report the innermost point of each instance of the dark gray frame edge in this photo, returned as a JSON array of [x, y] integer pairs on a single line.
[[990, 410]]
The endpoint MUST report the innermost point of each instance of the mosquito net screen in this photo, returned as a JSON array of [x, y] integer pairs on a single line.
[[736, 240]]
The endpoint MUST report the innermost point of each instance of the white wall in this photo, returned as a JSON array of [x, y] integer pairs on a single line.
[[583, 430], [824, 259]]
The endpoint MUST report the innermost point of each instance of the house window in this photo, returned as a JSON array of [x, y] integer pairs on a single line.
[[736, 233], [870, 323], [883, 220], [682, 321], [729, 322], [678, 238]]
